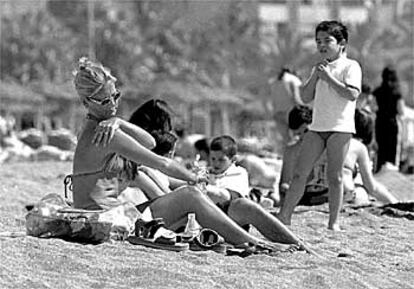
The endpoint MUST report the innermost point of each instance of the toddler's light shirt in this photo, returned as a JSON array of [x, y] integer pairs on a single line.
[[235, 178]]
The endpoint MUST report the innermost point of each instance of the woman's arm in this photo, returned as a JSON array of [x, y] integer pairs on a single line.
[[374, 188], [148, 186], [139, 134], [307, 91], [128, 147], [105, 131], [175, 183]]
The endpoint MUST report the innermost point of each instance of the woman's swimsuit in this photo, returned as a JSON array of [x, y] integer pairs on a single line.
[[100, 189]]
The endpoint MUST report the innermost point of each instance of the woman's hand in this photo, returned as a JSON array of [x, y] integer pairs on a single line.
[[201, 176], [105, 131]]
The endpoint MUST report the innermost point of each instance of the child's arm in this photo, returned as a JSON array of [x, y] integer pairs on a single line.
[[345, 90], [308, 89], [218, 195]]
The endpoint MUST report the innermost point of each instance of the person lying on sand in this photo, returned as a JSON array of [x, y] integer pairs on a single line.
[[102, 163]]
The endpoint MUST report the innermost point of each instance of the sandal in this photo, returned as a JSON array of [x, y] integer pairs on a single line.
[[154, 234], [208, 239], [247, 249]]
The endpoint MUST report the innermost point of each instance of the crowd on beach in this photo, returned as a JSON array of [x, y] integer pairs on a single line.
[[337, 134]]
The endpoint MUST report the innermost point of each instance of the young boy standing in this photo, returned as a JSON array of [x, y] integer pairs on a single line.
[[334, 85]]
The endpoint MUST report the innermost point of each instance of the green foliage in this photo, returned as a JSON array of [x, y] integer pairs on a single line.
[[215, 44], [376, 44], [34, 47]]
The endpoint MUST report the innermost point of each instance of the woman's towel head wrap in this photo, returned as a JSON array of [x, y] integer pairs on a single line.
[[90, 78]]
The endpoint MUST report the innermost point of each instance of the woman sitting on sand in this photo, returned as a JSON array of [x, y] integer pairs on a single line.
[[102, 164], [243, 210], [358, 161]]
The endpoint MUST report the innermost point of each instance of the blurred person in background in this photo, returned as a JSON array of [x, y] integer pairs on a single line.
[[357, 172], [316, 189], [286, 96], [366, 100], [388, 119]]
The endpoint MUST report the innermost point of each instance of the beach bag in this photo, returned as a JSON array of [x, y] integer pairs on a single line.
[[314, 195], [51, 217]]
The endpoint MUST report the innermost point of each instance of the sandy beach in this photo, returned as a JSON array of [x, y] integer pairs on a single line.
[[373, 251]]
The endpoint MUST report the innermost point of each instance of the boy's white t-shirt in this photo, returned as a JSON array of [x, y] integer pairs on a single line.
[[332, 112], [235, 178]]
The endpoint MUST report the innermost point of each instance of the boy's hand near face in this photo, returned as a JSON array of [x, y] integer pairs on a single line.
[[322, 70]]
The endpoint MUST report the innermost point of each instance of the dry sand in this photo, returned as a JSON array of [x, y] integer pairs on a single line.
[[377, 251]]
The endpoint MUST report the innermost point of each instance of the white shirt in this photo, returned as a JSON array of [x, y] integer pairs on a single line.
[[290, 80], [235, 178], [332, 112], [283, 94]]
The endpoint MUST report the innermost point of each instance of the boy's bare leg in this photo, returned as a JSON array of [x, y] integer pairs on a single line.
[[175, 206], [312, 148], [337, 148]]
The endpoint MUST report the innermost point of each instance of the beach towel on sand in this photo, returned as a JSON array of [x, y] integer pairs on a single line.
[[51, 217]]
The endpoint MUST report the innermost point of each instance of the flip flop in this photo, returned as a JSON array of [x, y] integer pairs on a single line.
[[208, 239], [247, 249], [153, 234]]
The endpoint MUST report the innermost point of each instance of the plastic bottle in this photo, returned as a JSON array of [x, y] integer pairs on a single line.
[[198, 169], [192, 229]]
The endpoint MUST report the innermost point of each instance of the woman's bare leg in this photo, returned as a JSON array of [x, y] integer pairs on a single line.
[[244, 211], [337, 148], [175, 206], [312, 148]]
